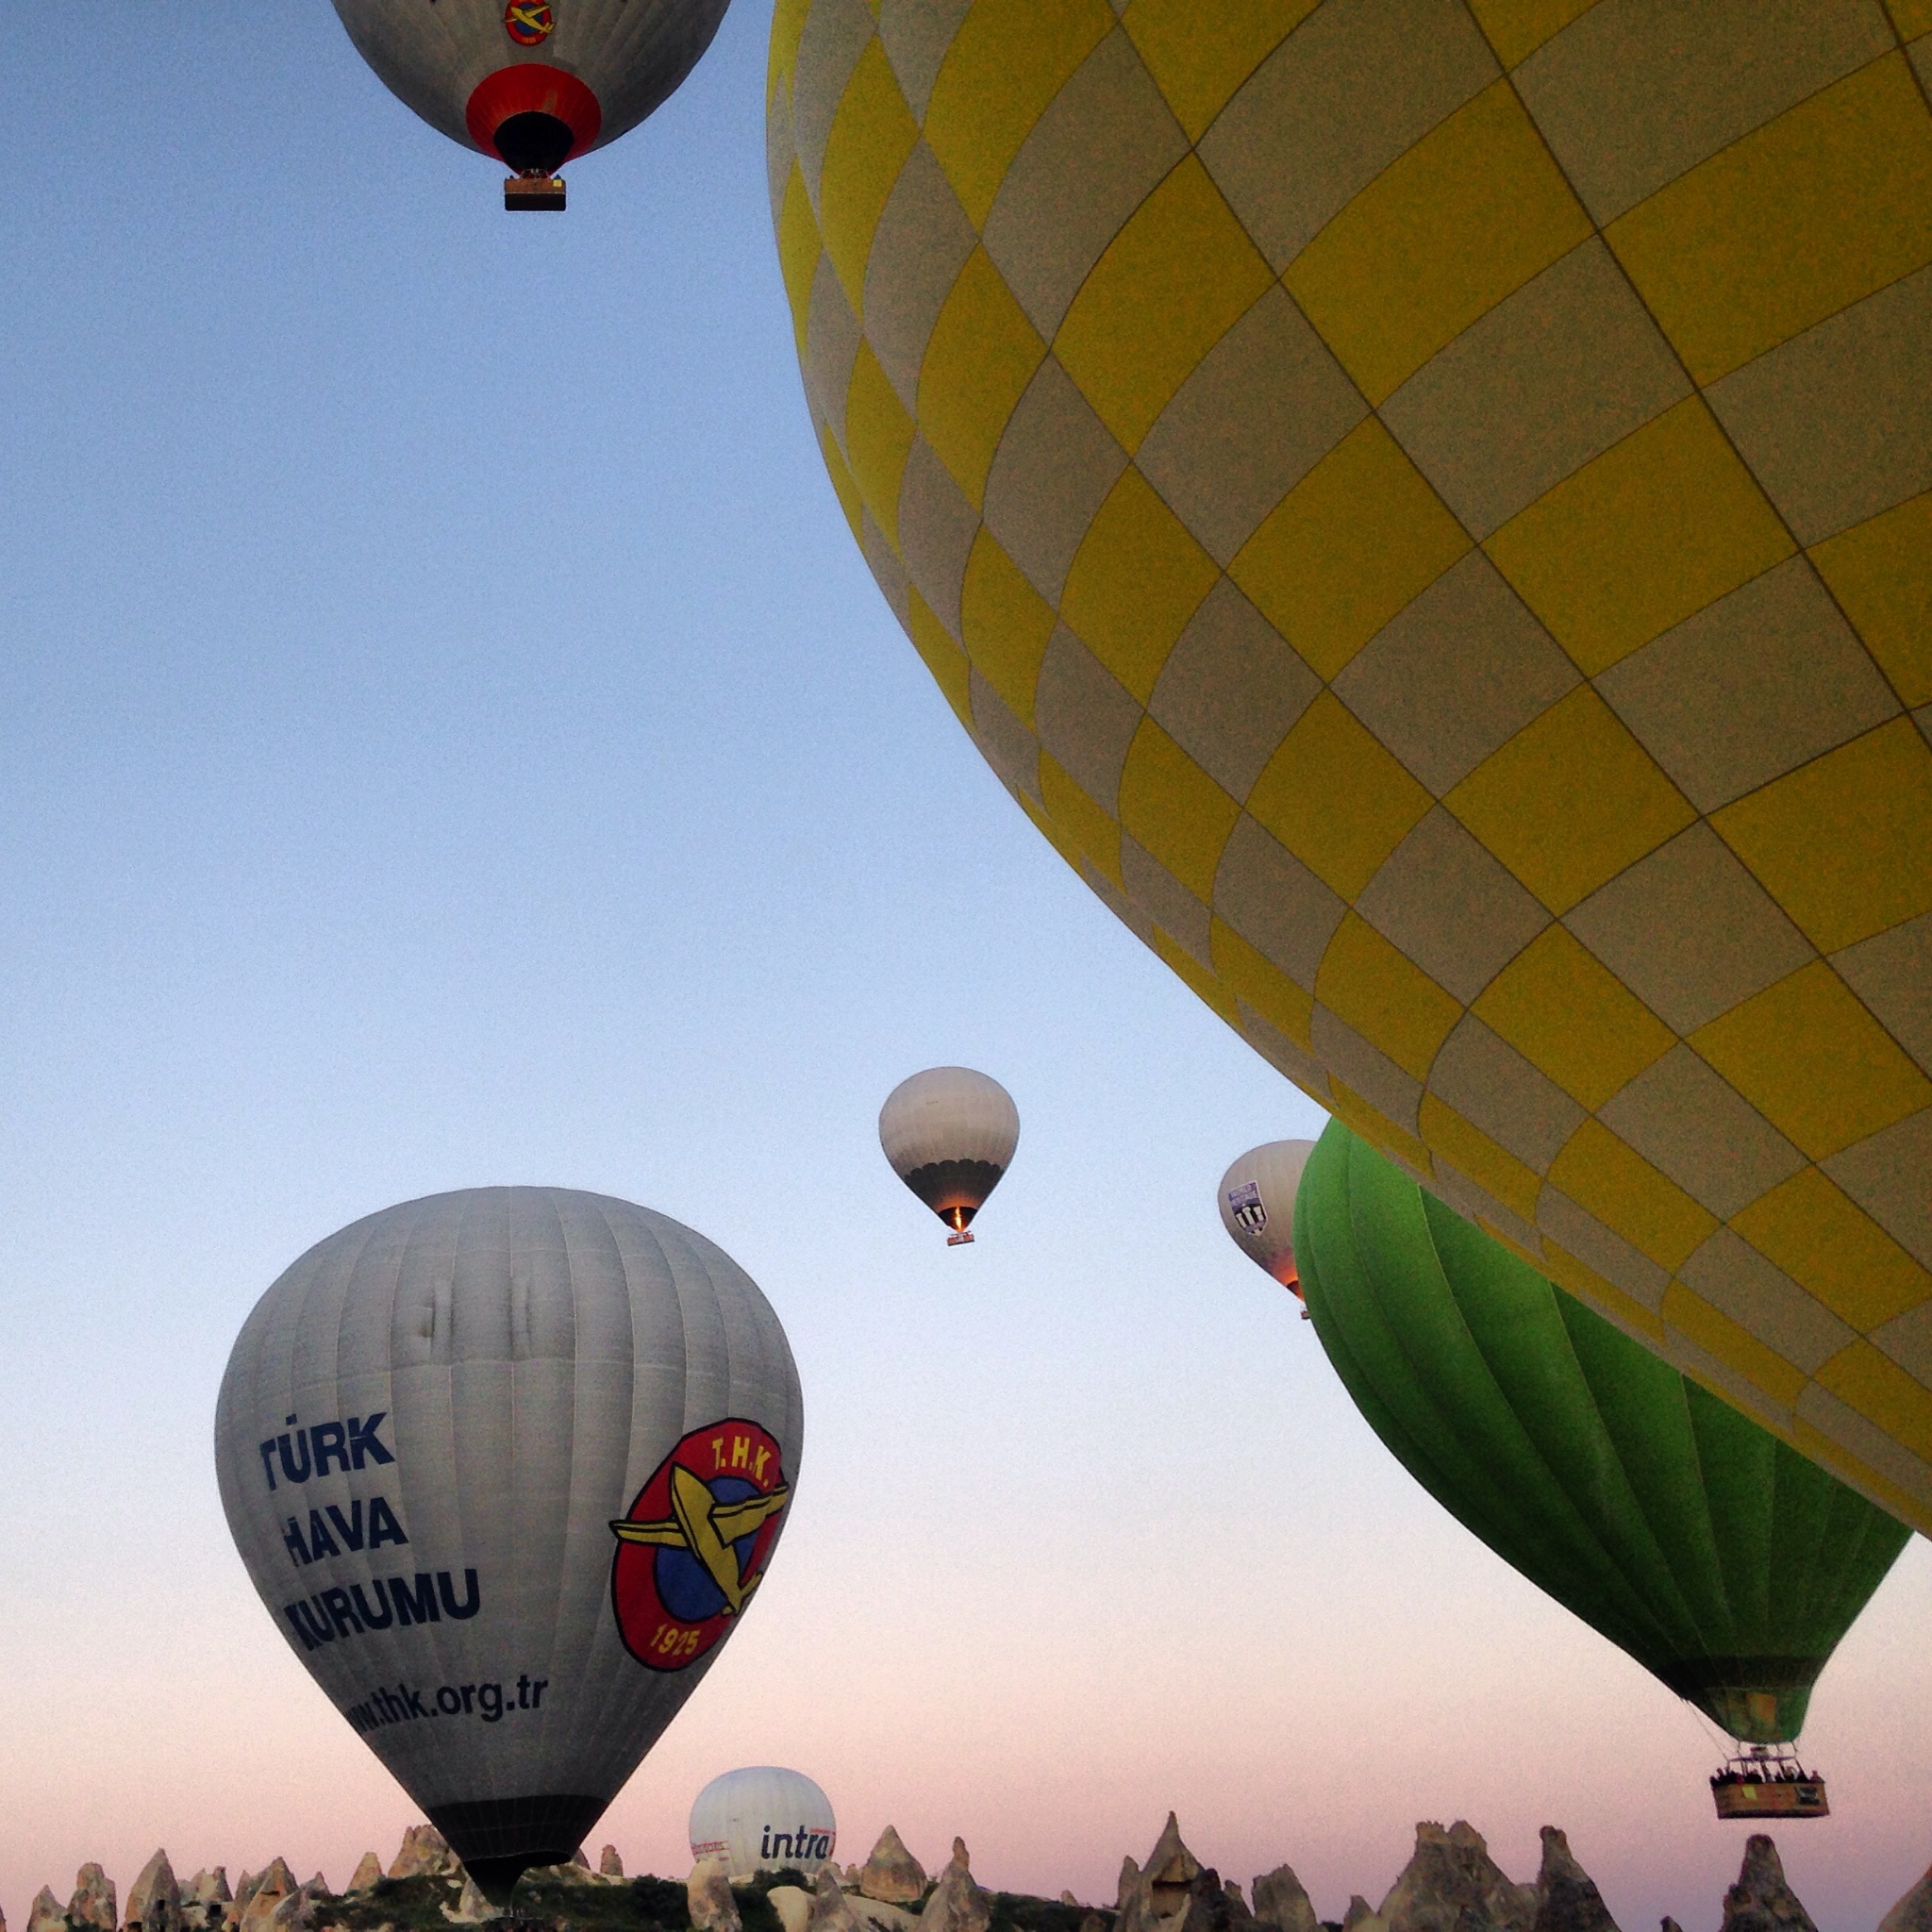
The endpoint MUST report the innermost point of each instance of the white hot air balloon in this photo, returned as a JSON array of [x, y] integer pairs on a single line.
[[762, 1819], [506, 1467], [531, 83], [1257, 1200], [950, 1134]]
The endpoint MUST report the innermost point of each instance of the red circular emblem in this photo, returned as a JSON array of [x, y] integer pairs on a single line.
[[695, 1544], [528, 21]]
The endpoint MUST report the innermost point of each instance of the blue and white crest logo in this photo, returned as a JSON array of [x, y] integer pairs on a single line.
[[1244, 1203]]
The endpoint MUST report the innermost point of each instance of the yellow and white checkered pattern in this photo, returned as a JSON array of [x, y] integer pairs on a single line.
[[1427, 503]]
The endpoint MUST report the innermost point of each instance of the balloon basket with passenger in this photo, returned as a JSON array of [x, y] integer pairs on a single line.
[[537, 193], [1768, 1781]]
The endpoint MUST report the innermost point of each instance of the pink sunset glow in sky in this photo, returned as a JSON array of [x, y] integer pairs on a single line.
[[447, 737]]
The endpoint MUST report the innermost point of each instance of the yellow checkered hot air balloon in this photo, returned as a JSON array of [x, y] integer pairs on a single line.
[[1424, 503]]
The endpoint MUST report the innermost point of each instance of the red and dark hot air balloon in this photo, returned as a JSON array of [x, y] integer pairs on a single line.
[[530, 82]]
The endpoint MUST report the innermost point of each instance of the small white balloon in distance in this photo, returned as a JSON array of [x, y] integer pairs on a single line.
[[949, 1134], [506, 1467], [1256, 1202], [762, 1818]]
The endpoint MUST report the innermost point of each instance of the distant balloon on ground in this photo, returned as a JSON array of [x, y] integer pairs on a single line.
[[950, 1135], [1720, 1559], [506, 1466], [764, 1818], [1257, 1200], [532, 84]]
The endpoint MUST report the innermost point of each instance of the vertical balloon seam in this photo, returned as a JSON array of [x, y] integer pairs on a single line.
[[1663, 1649], [407, 1471], [1591, 1334], [1621, 1523], [1745, 1533], [1492, 1533], [640, 1269], [409, 1490], [348, 1267], [1794, 1584], [1622, 1537], [527, 1226], [607, 1686], [1592, 1579], [1373, 1179], [601, 1692], [657, 1231], [1340, 1324], [576, 1654], [442, 1366]]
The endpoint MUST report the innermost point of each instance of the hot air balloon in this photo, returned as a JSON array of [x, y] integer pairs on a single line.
[[1427, 506], [506, 1466], [1725, 1562], [950, 1134], [761, 1819], [1257, 1200], [531, 83]]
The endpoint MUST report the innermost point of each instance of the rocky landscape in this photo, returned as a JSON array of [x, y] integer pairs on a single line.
[[1451, 1884]]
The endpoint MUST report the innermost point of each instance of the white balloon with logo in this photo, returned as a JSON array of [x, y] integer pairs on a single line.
[[764, 1818]]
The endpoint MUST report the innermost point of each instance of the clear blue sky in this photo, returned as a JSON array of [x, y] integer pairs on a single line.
[[447, 736]]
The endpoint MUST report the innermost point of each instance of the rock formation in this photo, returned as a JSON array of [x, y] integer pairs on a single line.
[[609, 1864], [1567, 1897], [472, 1907], [792, 1905], [1282, 1901], [709, 1891], [830, 1912], [1175, 1892], [1451, 1884], [154, 1903], [1169, 1870], [1761, 1901], [93, 1901], [205, 1900], [367, 1875], [44, 1914], [423, 1854], [304, 1909], [956, 1904], [265, 1893], [892, 1874], [1912, 1913], [1360, 1916], [1670, 1925]]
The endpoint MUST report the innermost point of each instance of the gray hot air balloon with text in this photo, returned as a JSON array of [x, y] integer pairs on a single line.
[[506, 1466], [949, 1134], [532, 83]]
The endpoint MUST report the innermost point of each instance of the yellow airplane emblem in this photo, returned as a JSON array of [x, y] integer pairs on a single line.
[[708, 1528]]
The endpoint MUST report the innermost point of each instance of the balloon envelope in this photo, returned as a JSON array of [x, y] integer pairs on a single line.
[[949, 1134], [1723, 1561], [1390, 492], [592, 68], [506, 1466], [762, 1818], [1257, 1200]]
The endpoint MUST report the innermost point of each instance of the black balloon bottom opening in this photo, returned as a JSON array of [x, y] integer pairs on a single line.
[[500, 1839]]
